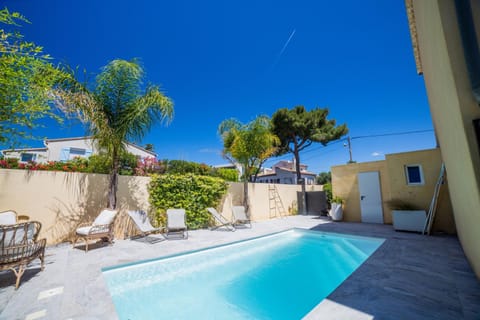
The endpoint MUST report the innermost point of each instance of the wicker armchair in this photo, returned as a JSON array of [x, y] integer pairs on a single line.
[[101, 228], [8, 217], [19, 246]]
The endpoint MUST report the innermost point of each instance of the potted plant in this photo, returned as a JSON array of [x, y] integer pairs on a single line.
[[336, 211], [407, 216]]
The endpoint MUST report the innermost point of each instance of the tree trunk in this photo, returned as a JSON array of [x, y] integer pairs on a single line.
[[113, 182], [300, 181], [245, 195], [246, 177], [296, 154]]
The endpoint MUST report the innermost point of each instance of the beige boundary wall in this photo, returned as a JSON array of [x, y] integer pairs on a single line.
[[393, 186], [62, 200], [259, 204]]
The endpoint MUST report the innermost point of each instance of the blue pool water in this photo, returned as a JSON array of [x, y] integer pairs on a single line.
[[281, 276]]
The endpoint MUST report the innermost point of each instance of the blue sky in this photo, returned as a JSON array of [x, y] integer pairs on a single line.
[[223, 59]]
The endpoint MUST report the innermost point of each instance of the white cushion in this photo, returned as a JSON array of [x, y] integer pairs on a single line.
[[20, 237], [83, 230], [105, 217], [8, 217], [176, 219]]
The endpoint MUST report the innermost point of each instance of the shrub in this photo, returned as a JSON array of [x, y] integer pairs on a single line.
[[99, 163], [337, 199], [149, 166], [191, 192], [327, 187], [398, 204], [183, 167], [9, 163], [128, 164], [227, 174]]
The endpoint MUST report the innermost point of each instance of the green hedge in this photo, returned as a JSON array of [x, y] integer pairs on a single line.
[[228, 174], [191, 192]]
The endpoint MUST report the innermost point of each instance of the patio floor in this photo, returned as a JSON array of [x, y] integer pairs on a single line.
[[409, 277]]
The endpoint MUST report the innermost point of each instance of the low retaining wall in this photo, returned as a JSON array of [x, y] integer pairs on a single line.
[[62, 200]]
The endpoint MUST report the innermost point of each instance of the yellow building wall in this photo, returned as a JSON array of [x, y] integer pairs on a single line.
[[453, 108], [345, 186], [393, 185], [421, 195]]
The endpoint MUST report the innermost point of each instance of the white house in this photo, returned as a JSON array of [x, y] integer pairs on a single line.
[[284, 172], [66, 149]]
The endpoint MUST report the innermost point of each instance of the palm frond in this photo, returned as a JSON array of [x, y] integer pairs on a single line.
[[139, 116]]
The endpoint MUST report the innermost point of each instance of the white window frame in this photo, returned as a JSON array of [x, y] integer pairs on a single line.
[[34, 156], [407, 177], [77, 152]]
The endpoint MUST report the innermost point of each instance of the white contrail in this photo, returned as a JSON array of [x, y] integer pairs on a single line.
[[283, 50], [286, 43]]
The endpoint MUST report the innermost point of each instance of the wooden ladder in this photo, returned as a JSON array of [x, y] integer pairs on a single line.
[[275, 202], [433, 205]]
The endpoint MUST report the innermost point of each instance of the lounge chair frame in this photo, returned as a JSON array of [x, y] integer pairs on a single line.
[[15, 255], [240, 217], [183, 231], [220, 220], [103, 231], [144, 234]]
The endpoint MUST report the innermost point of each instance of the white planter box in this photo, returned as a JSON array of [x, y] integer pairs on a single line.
[[409, 220], [336, 212]]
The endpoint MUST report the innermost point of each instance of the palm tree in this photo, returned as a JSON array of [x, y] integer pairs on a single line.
[[118, 110], [250, 145]]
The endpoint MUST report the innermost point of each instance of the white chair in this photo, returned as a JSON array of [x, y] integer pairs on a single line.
[[101, 228], [143, 224], [220, 220], [8, 217], [240, 216], [176, 223]]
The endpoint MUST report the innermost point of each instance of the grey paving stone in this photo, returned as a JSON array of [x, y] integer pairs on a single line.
[[409, 277]]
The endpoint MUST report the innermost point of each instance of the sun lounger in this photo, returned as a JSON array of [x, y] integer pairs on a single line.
[[176, 223], [240, 216], [101, 228], [143, 224], [220, 221]]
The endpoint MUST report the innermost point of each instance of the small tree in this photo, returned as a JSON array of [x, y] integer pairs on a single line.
[[249, 144], [298, 129], [324, 177], [118, 109], [27, 82]]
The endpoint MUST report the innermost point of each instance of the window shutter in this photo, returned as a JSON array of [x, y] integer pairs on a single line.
[[64, 154]]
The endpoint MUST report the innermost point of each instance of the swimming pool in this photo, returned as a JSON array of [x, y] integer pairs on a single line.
[[280, 276]]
